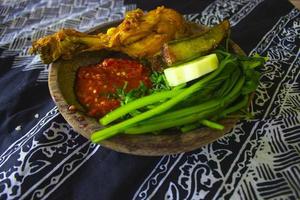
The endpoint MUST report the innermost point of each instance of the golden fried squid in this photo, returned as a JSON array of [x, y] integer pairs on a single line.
[[139, 35]]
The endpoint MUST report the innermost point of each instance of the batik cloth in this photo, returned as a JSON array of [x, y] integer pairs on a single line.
[[42, 157]]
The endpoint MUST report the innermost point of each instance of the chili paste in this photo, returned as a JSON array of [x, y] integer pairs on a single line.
[[96, 84]]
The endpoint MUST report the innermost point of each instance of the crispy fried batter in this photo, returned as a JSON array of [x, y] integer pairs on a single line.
[[139, 35]]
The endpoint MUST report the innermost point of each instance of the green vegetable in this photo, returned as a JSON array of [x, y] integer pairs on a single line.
[[236, 107], [212, 89], [204, 122], [167, 123], [159, 82], [179, 119], [229, 83], [189, 127], [186, 111], [180, 50], [139, 103], [211, 124]]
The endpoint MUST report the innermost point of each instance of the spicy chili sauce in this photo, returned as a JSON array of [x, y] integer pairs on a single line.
[[95, 84]]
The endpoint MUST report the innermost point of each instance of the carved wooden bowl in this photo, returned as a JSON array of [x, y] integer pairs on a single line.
[[61, 85]]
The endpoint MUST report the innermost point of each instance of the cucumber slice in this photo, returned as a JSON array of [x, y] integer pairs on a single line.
[[191, 70]]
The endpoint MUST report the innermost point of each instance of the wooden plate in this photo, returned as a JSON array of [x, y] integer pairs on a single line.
[[61, 85]]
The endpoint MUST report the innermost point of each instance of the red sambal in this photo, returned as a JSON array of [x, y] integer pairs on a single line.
[[96, 83]]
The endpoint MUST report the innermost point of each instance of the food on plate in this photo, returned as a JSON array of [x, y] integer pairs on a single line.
[[186, 48], [164, 73], [139, 35]]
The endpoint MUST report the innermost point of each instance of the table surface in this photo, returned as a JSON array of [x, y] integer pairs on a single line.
[[42, 157]]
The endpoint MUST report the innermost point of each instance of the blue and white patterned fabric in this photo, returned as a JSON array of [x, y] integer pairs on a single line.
[[42, 157]]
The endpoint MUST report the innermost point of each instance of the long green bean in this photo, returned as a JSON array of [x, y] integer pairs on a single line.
[[146, 128], [139, 103], [195, 109], [242, 104], [187, 119], [185, 111], [189, 127], [211, 124], [204, 122]]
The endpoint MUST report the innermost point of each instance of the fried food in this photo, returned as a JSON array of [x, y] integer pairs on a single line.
[[139, 35], [179, 50]]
